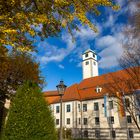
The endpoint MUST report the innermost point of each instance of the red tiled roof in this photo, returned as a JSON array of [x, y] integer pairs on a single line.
[[50, 93], [86, 89], [71, 93]]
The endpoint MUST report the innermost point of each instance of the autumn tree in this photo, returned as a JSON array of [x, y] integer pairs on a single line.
[[123, 91], [127, 84], [44, 18], [30, 117], [14, 70], [130, 61]]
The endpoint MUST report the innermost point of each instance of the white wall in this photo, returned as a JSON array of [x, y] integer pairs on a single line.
[[90, 114], [91, 69]]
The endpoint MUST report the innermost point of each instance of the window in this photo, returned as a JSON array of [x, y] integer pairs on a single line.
[[57, 109], [96, 107], [85, 121], [84, 107], [97, 121], [130, 134], [110, 104], [68, 108], [127, 102], [79, 108], [68, 120], [98, 89], [86, 134], [86, 55], [94, 55], [139, 118], [87, 62], [57, 121], [102, 105], [111, 120], [129, 120], [79, 121], [97, 133], [113, 134], [94, 63]]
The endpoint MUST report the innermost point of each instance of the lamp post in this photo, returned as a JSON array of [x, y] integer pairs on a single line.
[[61, 89]]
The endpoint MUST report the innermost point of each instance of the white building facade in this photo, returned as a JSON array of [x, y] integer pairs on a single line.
[[87, 119], [89, 111]]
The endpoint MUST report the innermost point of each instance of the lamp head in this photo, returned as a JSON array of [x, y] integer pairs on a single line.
[[61, 87]]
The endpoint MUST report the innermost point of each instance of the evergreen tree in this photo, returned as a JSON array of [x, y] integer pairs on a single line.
[[15, 69], [29, 117]]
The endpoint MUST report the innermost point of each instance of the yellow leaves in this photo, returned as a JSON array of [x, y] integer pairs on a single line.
[[107, 3], [64, 23], [13, 2], [31, 32], [12, 31], [52, 17], [82, 17], [61, 2], [7, 42], [20, 16], [2, 17], [116, 7], [71, 17], [2, 41], [41, 18], [24, 49]]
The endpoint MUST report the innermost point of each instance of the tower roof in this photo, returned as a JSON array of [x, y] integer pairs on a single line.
[[89, 50]]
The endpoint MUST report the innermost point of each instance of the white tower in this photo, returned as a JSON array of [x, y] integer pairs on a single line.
[[89, 64]]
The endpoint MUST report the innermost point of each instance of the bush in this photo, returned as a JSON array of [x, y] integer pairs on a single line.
[[30, 117]]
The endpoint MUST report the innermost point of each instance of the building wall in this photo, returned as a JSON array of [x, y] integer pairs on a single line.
[[77, 115]]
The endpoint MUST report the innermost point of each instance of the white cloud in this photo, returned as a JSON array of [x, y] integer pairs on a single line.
[[108, 62], [110, 21], [129, 7], [121, 2], [61, 66], [110, 46], [85, 33], [75, 49], [56, 58], [82, 42], [104, 41], [55, 53], [111, 50]]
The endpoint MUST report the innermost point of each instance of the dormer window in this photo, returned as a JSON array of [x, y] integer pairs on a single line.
[[98, 89], [86, 55]]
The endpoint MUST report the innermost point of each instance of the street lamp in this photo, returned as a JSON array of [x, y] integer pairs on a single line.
[[61, 89]]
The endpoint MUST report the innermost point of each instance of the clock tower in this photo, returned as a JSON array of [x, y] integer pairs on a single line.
[[89, 64]]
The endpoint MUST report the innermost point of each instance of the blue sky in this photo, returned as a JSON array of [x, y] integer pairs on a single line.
[[60, 57]]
